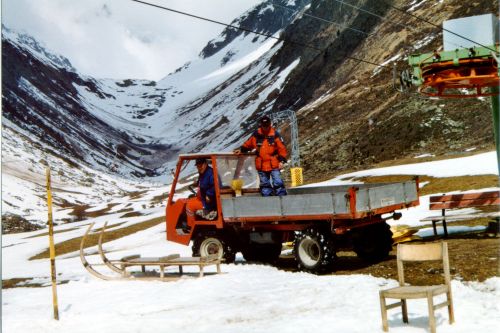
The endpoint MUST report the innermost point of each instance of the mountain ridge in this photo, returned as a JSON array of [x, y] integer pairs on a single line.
[[350, 117]]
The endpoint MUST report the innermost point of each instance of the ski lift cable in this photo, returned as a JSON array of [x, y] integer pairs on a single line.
[[437, 26], [344, 26], [353, 29], [322, 19], [415, 16], [252, 31]]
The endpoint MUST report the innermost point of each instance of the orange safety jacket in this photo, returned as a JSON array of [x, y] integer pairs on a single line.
[[270, 149]]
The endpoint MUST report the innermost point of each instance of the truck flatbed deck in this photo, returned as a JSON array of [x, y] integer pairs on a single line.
[[334, 202]]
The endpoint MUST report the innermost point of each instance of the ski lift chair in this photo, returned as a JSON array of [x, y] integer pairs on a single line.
[[426, 252]]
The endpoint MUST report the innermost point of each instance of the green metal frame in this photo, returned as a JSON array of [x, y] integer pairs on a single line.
[[495, 101], [417, 60]]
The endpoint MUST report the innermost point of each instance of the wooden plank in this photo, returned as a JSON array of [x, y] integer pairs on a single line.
[[460, 217], [465, 196], [169, 263], [133, 256], [465, 203], [163, 262]]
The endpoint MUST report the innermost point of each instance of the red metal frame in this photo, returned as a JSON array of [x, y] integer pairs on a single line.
[[340, 222], [172, 214]]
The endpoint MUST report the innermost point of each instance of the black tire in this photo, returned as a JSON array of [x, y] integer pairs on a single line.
[[314, 250], [214, 243], [373, 243], [264, 253]]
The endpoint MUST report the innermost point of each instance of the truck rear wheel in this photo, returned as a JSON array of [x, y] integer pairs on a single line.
[[213, 243], [373, 243], [265, 253], [314, 250]]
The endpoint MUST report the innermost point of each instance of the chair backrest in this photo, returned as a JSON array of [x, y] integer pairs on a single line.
[[423, 252]]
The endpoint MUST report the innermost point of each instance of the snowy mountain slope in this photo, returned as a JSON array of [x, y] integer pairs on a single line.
[[222, 111], [133, 127], [43, 101], [35, 49], [77, 190], [266, 18], [136, 128]]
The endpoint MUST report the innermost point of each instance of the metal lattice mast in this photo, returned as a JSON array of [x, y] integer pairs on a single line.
[[290, 116]]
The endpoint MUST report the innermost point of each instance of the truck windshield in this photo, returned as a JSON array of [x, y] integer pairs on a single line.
[[238, 167]]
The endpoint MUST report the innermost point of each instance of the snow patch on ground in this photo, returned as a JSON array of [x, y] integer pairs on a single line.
[[246, 298]]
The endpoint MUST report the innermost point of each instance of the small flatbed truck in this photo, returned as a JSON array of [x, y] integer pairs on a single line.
[[319, 220]]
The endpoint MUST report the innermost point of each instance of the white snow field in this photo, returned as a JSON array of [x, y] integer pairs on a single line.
[[246, 298]]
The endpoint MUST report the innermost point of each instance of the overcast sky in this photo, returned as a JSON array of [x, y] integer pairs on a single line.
[[121, 38]]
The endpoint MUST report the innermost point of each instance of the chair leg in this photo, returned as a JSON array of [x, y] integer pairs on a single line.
[[404, 310], [451, 316], [432, 319], [383, 310], [434, 228]]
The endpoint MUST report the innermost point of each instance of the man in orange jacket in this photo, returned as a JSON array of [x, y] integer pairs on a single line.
[[271, 155]]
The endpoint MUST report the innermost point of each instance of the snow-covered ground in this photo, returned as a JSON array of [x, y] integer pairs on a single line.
[[24, 185], [246, 298]]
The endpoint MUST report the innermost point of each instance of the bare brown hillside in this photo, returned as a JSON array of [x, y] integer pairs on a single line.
[[361, 119]]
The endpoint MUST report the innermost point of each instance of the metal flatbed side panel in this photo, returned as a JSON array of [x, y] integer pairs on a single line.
[[320, 201], [306, 204], [330, 189], [410, 191], [320, 189], [251, 207], [385, 195], [315, 204]]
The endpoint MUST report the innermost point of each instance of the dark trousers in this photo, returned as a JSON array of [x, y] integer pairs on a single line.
[[276, 188]]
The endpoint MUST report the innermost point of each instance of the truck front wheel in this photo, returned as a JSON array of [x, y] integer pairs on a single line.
[[207, 244], [314, 250]]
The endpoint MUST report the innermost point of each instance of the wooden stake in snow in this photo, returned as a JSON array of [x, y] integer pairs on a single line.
[[52, 248]]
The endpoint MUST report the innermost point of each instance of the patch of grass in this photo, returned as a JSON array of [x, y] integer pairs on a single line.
[[324, 176], [73, 244], [110, 226], [55, 232], [462, 183], [413, 160], [440, 185], [12, 283], [136, 194], [71, 229], [131, 214], [160, 198], [25, 283], [80, 211], [100, 212], [125, 210]]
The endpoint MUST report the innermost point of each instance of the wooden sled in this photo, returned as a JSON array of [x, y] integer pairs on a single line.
[[120, 266]]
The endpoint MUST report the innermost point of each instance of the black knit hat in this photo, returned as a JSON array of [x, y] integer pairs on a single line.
[[265, 121], [200, 161]]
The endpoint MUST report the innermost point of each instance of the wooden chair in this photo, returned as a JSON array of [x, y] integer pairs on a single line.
[[426, 252]]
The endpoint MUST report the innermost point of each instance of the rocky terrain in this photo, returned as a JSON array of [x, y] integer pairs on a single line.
[[350, 113], [362, 119]]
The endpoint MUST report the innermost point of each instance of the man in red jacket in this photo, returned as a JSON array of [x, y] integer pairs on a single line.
[[271, 155]]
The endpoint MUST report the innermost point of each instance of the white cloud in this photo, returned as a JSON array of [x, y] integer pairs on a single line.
[[121, 38]]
